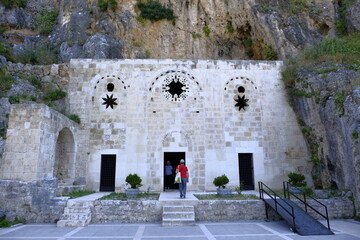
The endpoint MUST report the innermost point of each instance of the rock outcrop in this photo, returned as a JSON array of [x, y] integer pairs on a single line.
[[213, 29], [329, 110]]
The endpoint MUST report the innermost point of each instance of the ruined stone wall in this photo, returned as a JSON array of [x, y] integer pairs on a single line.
[[32, 139], [33, 201], [126, 110]]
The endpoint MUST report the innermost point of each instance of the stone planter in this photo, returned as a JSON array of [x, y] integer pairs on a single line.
[[132, 193], [224, 192]]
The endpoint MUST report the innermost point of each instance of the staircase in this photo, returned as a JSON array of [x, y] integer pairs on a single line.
[[77, 213], [178, 215]]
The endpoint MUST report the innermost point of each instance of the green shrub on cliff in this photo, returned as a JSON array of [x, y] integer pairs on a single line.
[[5, 80], [46, 20], [335, 50], [154, 11], [104, 5], [13, 3]]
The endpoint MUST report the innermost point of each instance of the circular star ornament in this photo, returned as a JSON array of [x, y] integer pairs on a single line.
[[109, 101], [241, 102]]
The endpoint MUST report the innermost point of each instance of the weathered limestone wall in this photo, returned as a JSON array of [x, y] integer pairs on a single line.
[[33, 201], [204, 122], [117, 211], [109, 211], [33, 145]]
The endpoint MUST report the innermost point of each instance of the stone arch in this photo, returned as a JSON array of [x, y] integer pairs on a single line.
[[64, 167]]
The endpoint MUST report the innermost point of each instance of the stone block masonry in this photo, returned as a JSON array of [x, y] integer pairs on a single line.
[[33, 201], [213, 111], [40, 143], [111, 211]]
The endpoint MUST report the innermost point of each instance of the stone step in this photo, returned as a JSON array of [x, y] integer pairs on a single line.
[[180, 202], [179, 222], [77, 213], [76, 216], [79, 203], [73, 223], [77, 210], [183, 208], [179, 215]]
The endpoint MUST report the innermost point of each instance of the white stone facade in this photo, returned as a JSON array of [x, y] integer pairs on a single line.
[[137, 114], [152, 117]]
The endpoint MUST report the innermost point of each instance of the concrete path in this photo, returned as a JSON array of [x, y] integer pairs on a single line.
[[245, 230]]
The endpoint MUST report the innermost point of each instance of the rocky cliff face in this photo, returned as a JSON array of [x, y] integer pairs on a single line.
[[215, 29], [209, 29], [328, 106]]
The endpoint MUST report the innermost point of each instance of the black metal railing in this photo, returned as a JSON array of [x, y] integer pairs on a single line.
[[274, 196], [287, 194]]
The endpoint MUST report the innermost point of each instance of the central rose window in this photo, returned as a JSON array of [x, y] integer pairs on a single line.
[[175, 87]]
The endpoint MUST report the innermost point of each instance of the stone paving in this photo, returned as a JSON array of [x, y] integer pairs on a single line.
[[245, 230]]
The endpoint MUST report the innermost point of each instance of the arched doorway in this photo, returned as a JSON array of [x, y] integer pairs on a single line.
[[64, 167]]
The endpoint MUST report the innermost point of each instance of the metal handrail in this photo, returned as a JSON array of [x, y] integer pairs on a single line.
[[262, 191], [287, 195]]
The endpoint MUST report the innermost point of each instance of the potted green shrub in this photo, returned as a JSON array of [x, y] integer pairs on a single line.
[[221, 182], [135, 182], [296, 182]]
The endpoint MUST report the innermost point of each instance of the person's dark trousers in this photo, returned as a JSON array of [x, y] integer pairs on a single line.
[[168, 179]]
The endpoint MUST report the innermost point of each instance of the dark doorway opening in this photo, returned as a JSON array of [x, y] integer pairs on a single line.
[[246, 170], [107, 173], [174, 159]]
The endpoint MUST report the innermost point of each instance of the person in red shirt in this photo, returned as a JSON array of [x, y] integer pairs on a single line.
[[184, 174]]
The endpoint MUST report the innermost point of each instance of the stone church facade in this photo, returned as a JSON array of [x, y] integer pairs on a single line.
[[222, 117]]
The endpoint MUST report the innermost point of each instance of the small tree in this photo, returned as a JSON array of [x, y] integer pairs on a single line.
[[133, 180], [221, 181], [296, 179]]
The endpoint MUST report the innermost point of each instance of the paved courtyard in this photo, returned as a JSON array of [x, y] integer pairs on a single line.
[[244, 230]]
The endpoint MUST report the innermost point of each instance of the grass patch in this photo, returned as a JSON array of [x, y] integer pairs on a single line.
[[46, 21], [104, 5], [122, 196], [5, 51], [36, 82], [206, 30], [75, 118], [330, 51], [42, 55], [54, 95], [6, 80], [339, 103], [154, 11], [269, 53], [230, 29], [233, 197], [355, 135], [5, 223], [196, 35], [18, 99], [9, 4], [78, 194]]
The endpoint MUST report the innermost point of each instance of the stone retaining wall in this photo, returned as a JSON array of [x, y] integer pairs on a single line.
[[31, 201], [337, 208], [111, 211], [229, 210], [36, 201], [107, 211]]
